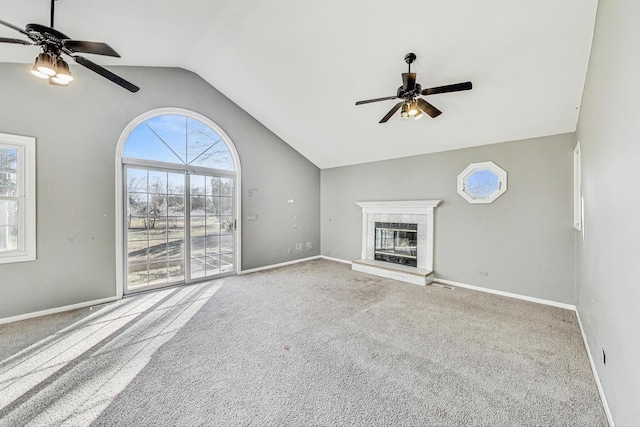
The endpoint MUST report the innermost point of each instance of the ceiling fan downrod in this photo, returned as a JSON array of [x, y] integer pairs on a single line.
[[53, 10]]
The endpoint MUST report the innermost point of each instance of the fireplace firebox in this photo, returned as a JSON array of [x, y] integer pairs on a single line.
[[396, 242]]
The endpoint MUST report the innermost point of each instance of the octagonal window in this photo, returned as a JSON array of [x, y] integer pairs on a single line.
[[482, 182]]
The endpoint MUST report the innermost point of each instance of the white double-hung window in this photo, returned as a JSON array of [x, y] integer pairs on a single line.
[[17, 198]]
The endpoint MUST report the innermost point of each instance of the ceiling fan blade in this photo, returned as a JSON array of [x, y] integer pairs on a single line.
[[428, 108], [106, 73], [408, 81], [13, 27], [391, 112], [386, 98], [15, 41], [96, 48], [448, 88]]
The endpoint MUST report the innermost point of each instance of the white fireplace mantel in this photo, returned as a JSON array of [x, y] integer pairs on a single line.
[[408, 211], [417, 207]]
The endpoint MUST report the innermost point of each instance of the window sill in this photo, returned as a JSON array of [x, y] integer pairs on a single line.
[[12, 257]]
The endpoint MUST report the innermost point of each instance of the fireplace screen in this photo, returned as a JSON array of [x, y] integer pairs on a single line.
[[396, 242]]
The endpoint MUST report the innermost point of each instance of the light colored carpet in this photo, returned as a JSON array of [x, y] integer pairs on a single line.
[[316, 344], [19, 335]]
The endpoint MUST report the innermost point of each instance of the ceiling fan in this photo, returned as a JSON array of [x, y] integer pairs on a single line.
[[49, 63], [412, 105]]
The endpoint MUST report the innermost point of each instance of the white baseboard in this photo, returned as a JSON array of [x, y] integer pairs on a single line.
[[508, 294], [282, 264], [603, 398], [328, 258], [56, 310]]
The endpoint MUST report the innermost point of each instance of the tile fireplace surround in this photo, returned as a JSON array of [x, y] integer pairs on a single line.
[[406, 211]]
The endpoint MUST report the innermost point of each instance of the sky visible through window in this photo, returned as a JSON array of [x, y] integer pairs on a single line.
[[178, 139], [481, 183]]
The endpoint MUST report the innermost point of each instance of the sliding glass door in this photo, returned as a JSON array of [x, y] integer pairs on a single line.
[[180, 226], [211, 225]]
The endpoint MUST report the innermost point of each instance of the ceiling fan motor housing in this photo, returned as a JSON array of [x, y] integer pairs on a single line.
[[401, 93]]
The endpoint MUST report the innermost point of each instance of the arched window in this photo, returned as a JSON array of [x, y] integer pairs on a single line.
[[179, 140], [180, 200]]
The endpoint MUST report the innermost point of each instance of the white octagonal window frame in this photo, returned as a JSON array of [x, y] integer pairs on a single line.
[[466, 191]]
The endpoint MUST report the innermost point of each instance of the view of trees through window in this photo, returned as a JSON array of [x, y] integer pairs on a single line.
[[179, 219], [155, 226], [8, 199]]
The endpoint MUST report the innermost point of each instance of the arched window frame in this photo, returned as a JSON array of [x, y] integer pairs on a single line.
[[120, 267]]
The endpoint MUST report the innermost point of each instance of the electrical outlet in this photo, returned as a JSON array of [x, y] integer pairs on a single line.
[[289, 251], [309, 246], [298, 246], [484, 274]]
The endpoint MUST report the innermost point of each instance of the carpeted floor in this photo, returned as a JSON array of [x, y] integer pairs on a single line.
[[309, 344]]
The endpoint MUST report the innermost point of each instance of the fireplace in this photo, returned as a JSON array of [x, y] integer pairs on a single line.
[[396, 242]]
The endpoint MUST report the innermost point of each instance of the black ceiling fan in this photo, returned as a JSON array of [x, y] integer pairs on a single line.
[[412, 105], [49, 63]]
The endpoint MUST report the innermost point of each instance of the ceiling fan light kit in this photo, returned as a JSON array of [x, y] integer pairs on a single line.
[[57, 81], [413, 108], [53, 44], [36, 72], [405, 111], [56, 70], [45, 64], [412, 105], [62, 70]]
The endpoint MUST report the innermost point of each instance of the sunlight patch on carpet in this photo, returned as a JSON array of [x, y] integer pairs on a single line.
[[53, 382]]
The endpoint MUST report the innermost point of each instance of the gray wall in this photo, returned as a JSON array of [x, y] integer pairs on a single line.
[[77, 130], [524, 239], [608, 254]]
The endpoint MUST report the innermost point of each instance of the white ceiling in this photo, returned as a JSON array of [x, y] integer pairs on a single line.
[[299, 66]]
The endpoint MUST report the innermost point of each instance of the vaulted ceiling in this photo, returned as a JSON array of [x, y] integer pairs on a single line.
[[299, 66]]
